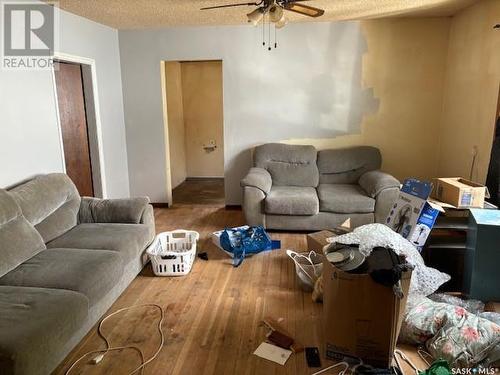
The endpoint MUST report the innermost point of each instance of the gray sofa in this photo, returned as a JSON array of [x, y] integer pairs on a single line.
[[296, 187], [63, 261]]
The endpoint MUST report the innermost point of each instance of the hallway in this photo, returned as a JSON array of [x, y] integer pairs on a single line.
[[200, 191]]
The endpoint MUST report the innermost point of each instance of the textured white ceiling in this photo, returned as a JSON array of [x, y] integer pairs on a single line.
[[137, 14]]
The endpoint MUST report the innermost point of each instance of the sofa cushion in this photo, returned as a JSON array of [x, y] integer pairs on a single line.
[[289, 165], [129, 240], [19, 240], [344, 198], [50, 202], [34, 324], [125, 211], [92, 273], [347, 165], [292, 200]]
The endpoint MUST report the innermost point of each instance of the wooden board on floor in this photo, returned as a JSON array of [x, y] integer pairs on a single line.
[[213, 315]]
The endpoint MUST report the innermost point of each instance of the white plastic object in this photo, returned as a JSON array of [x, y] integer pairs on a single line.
[[98, 358], [308, 267], [172, 253]]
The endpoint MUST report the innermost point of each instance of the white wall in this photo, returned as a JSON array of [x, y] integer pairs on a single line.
[[310, 87], [29, 138]]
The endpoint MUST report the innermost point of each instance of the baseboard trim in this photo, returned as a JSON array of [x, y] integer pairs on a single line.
[[160, 205], [198, 178]]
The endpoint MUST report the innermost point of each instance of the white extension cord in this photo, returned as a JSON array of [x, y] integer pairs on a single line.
[[99, 354]]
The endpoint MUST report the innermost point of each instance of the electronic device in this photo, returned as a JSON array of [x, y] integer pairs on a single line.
[[312, 357]]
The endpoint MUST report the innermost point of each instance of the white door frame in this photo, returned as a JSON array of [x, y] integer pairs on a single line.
[[98, 128]]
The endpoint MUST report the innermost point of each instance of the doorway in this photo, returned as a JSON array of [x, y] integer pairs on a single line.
[[76, 95], [493, 177], [194, 131]]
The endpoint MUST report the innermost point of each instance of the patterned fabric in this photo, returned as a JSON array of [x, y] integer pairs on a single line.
[[449, 332]]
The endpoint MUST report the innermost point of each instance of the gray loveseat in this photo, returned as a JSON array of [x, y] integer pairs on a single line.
[[296, 187], [63, 261]]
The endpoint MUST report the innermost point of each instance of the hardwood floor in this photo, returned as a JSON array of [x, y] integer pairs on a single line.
[[212, 316], [205, 191]]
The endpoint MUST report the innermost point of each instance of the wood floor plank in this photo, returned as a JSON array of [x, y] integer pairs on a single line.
[[213, 315]]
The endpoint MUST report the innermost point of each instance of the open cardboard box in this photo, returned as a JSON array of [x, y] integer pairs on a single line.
[[361, 317], [458, 193]]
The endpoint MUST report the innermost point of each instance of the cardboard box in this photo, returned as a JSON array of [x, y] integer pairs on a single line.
[[316, 241], [459, 192], [413, 215], [361, 317]]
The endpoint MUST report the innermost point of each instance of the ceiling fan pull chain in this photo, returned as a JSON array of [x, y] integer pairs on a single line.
[[275, 37], [264, 30], [269, 33]]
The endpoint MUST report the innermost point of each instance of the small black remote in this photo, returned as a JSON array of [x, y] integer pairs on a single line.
[[312, 357]]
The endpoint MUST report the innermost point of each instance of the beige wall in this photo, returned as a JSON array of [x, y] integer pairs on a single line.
[[438, 93], [203, 118], [471, 91], [405, 64], [176, 133]]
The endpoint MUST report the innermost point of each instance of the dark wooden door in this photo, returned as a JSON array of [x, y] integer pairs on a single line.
[[73, 119]]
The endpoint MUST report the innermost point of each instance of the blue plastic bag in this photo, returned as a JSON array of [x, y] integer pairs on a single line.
[[241, 242]]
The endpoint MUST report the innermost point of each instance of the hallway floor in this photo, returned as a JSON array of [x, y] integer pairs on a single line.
[[200, 191]]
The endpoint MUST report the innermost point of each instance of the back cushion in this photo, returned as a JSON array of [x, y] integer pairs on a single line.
[[289, 165], [19, 241], [50, 202], [346, 165]]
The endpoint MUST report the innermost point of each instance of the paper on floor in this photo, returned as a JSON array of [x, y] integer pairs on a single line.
[[273, 353]]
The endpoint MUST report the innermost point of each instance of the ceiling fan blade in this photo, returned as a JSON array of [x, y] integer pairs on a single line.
[[306, 10], [230, 6]]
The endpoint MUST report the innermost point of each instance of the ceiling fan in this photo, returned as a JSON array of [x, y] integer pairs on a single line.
[[275, 10]]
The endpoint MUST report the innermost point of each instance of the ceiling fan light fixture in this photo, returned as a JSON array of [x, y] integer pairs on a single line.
[[255, 16], [275, 13], [282, 22]]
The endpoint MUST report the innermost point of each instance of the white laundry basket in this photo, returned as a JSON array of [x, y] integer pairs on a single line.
[[173, 253]]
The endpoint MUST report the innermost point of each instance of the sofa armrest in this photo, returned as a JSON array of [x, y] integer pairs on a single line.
[[127, 211], [148, 216], [384, 202], [374, 182], [258, 178], [253, 206]]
